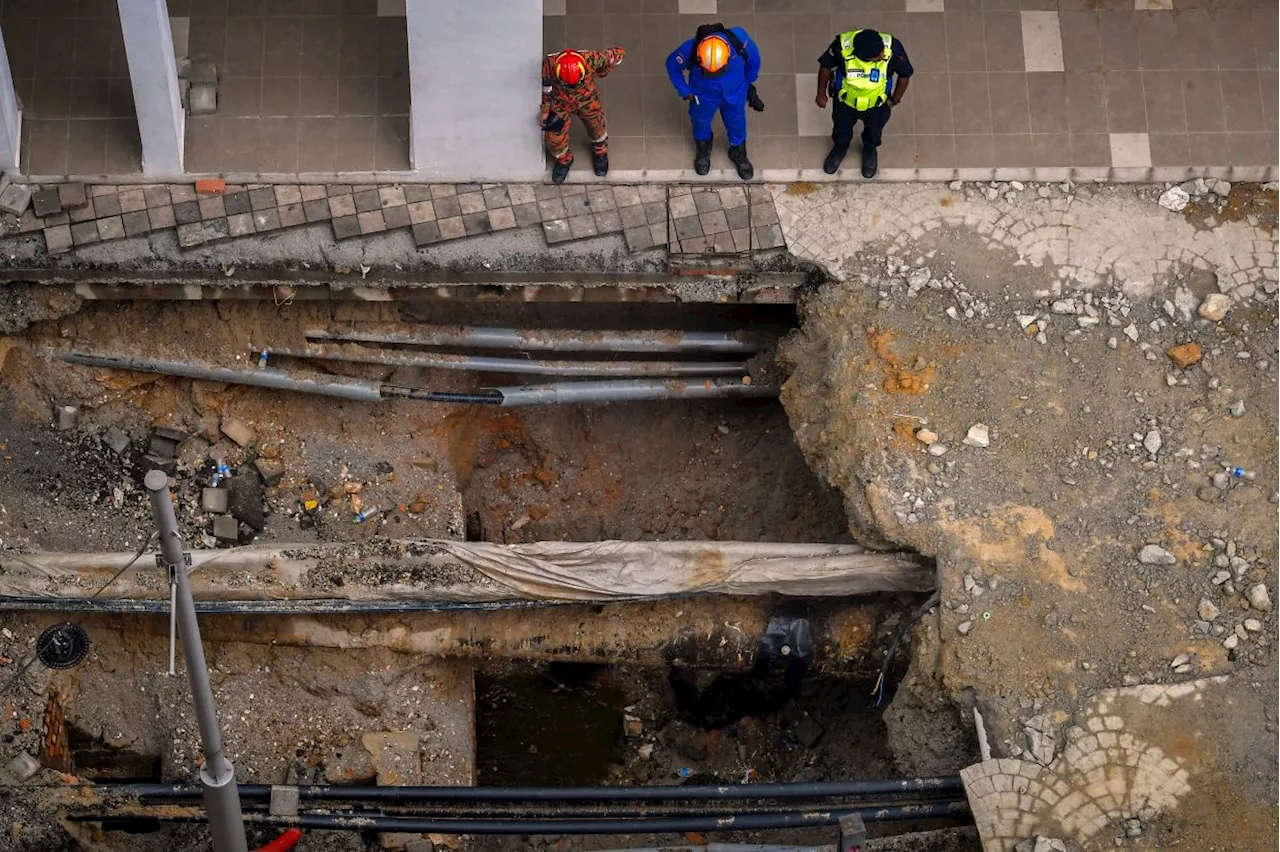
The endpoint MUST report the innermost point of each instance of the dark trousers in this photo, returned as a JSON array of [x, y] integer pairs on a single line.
[[843, 117]]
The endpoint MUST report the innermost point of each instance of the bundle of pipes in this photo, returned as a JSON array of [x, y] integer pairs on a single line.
[[554, 810], [679, 375]]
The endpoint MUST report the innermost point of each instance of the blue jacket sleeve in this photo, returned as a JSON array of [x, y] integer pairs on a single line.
[[753, 59], [677, 66]]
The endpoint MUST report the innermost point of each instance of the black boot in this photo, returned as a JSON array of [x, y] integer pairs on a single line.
[[738, 156], [600, 162], [560, 171], [869, 162], [702, 157], [831, 164]]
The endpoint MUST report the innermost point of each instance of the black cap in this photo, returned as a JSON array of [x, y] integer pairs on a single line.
[[867, 45]]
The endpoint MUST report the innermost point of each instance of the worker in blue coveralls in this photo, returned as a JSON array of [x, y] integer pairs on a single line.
[[722, 65]]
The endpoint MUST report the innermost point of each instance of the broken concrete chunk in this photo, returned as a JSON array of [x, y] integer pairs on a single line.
[[155, 461], [23, 766], [14, 199], [271, 471], [1153, 554], [169, 433], [1258, 598], [244, 500], [202, 99], [1175, 198], [214, 500], [978, 436], [115, 439], [237, 431], [1215, 306], [225, 528], [68, 417], [162, 447]]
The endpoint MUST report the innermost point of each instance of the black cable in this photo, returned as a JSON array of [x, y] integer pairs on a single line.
[[878, 691], [662, 825]]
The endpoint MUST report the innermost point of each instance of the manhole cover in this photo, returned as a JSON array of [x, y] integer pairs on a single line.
[[62, 645]]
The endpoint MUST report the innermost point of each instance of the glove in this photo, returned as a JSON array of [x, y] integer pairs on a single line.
[[753, 99], [554, 123]]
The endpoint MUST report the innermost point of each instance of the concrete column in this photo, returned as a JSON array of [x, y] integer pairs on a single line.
[[10, 116], [148, 43], [474, 73]]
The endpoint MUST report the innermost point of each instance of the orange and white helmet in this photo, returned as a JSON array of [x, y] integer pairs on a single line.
[[571, 68], [713, 54]]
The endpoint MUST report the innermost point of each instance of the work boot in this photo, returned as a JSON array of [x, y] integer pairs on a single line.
[[600, 162], [738, 156], [560, 171], [869, 162], [831, 164], [702, 157]]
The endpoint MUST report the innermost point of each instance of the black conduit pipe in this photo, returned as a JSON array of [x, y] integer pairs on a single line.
[[661, 825], [660, 793]]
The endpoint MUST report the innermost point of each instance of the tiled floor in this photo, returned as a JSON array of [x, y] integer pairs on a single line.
[[304, 86], [69, 69], [322, 85], [999, 82]]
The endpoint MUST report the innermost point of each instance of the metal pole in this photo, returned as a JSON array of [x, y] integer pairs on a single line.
[[173, 623], [217, 776]]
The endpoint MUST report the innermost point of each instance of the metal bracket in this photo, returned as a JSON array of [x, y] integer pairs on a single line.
[[853, 833], [160, 563]]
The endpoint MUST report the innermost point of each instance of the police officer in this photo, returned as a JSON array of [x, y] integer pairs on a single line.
[[867, 73], [569, 88], [722, 65]]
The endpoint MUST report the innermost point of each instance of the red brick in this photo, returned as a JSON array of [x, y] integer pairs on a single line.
[[211, 186]]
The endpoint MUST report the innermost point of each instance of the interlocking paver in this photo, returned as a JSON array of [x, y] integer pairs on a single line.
[[316, 210], [476, 223], [607, 222], [471, 203], [58, 239], [237, 202], [263, 198], [451, 228], [396, 217], [266, 220], [502, 218], [367, 200], [212, 207], [240, 224], [426, 233], [162, 217], [391, 196], [345, 227], [556, 231], [291, 215], [287, 193], [447, 207], [371, 221], [527, 214], [136, 223], [132, 200], [341, 205], [421, 211], [109, 205], [84, 233], [110, 228], [72, 194], [496, 196]]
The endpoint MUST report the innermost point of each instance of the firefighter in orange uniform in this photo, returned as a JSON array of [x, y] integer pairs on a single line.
[[569, 88]]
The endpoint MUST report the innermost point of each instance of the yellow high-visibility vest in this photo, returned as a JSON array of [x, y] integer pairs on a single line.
[[865, 83]]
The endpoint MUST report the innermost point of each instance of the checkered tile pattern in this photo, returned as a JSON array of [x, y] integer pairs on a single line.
[[704, 220]]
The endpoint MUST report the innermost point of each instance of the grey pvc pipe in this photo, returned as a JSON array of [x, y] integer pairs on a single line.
[[632, 390], [615, 390], [356, 389], [488, 364], [550, 340]]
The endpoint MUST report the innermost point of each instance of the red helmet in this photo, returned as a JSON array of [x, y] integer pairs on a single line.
[[571, 68]]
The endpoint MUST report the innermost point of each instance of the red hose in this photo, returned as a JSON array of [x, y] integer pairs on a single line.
[[284, 842]]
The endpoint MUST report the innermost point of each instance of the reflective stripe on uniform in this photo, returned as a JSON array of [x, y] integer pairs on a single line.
[[865, 83]]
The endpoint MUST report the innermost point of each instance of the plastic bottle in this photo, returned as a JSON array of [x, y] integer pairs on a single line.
[[1241, 473], [364, 515], [262, 360], [220, 473]]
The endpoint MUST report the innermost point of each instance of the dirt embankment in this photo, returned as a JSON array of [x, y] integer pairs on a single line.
[[1035, 447]]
